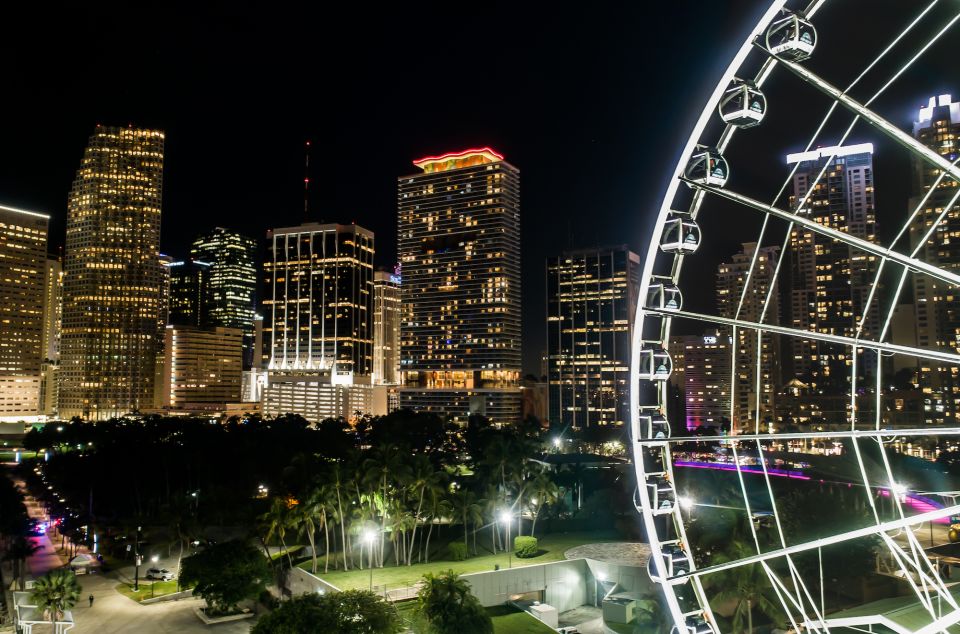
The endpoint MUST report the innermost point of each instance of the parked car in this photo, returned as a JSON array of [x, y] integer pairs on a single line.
[[570, 629], [160, 574]]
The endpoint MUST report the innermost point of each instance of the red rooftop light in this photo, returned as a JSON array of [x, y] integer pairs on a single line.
[[454, 155]]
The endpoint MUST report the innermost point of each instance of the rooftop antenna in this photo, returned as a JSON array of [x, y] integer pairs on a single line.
[[306, 181]]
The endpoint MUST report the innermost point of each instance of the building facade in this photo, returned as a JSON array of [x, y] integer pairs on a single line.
[[112, 282], [202, 367], [830, 282], [319, 320], [189, 302], [756, 375], [936, 303], [52, 319], [232, 294], [591, 301], [702, 368], [459, 245], [23, 274], [386, 328]]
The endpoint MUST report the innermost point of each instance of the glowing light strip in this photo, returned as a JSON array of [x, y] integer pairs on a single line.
[[866, 433], [827, 152], [722, 466], [24, 211], [455, 155]]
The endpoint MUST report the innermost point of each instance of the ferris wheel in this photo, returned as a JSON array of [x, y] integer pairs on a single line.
[[785, 41]]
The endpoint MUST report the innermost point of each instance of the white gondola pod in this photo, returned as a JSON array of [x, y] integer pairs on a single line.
[[676, 563], [681, 234], [654, 426], [743, 105], [664, 295], [661, 494], [655, 364], [792, 37], [707, 167]]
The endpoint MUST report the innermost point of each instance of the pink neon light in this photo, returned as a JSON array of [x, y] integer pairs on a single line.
[[452, 155], [722, 466]]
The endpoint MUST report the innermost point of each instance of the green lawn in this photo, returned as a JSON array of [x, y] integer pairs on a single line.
[[148, 589], [552, 548], [507, 620]]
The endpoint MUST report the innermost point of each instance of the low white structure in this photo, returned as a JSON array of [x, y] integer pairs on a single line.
[[563, 584]]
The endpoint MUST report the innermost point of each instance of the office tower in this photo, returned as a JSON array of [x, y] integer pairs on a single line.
[[23, 270], [386, 328], [937, 304], [591, 301], [52, 315], [752, 401], [459, 244], [202, 367], [319, 320], [190, 298], [113, 279], [233, 282], [702, 373], [830, 282]]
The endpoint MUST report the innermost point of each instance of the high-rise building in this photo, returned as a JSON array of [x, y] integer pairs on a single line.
[[386, 328], [190, 296], [23, 268], [702, 365], [319, 320], [752, 400], [112, 282], [202, 367], [830, 281], [591, 301], [52, 317], [233, 283], [459, 245], [937, 304]]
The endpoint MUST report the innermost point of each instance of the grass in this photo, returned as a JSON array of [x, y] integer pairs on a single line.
[[507, 620], [148, 589], [552, 548]]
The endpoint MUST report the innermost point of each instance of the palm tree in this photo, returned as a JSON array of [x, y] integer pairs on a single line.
[[276, 522], [450, 607], [383, 468], [438, 507], [423, 478], [304, 517], [336, 474], [466, 509], [546, 492], [747, 585], [55, 593]]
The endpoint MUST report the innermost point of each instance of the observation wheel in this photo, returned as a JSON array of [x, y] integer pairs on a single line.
[[785, 42]]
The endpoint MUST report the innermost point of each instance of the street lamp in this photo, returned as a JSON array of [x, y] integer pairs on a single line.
[[688, 504], [505, 519], [137, 559], [154, 559], [369, 536]]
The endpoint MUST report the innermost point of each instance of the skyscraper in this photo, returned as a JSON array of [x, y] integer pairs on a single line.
[[937, 304], [202, 367], [52, 318], [702, 372], [319, 320], [386, 328], [23, 264], [731, 278], [112, 283], [830, 281], [459, 245], [190, 297], [591, 301], [233, 282]]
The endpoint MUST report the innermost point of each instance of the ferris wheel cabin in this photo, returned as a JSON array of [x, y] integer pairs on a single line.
[[791, 37], [707, 167], [681, 234], [664, 295], [655, 364], [742, 106]]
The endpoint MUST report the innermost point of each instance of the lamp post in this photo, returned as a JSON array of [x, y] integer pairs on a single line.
[[136, 561], [687, 503], [505, 519], [369, 537]]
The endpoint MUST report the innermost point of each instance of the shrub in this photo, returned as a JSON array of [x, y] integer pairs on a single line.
[[525, 547], [458, 551]]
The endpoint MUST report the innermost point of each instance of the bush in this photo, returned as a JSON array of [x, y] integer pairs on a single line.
[[348, 612], [525, 547], [458, 551]]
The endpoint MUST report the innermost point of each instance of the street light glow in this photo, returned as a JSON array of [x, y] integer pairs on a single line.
[[369, 536], [685, 503], [505, 517], [899, 489], [155, 558]]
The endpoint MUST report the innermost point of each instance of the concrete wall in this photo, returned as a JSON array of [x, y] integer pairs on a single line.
[[628, 578], [567, 584], [300, 581]]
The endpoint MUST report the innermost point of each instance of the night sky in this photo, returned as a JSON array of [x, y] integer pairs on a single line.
[[591, 101]]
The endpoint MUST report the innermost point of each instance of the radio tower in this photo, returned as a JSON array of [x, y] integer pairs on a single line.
[[306, 182]]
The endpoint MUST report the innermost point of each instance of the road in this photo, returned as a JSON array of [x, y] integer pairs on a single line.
[[111, 611]]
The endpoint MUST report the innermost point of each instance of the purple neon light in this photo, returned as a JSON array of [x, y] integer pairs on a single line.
[[722, 466]]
